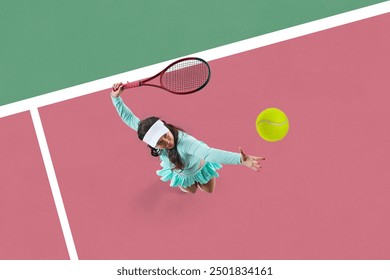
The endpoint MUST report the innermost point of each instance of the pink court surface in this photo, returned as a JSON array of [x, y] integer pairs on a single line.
[[323, 192]]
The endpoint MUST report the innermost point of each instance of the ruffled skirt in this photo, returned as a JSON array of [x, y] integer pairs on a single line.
[[203, 175]]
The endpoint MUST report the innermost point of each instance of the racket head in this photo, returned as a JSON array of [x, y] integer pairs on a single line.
[[185, 75]]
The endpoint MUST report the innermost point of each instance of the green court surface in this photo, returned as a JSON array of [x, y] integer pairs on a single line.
[[50, 45]]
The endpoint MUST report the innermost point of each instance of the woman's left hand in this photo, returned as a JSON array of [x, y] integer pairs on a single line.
[[251, 161]]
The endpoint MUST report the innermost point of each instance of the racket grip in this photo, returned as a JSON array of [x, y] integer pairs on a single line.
[[132, 85]]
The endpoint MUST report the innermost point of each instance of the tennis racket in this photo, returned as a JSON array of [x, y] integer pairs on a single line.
[[184, 76]]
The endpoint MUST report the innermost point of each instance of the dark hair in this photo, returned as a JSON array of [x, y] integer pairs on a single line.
[[173, 154]]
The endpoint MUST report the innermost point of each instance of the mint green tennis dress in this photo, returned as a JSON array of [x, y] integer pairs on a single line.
[[191, 152]]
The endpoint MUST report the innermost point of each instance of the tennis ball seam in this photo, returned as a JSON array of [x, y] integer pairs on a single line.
[[272, 123]]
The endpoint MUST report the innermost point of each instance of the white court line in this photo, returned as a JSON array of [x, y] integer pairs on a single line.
[[54, 184], [208, 55]]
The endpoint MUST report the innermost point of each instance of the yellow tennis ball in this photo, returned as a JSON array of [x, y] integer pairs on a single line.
[[272, 124]]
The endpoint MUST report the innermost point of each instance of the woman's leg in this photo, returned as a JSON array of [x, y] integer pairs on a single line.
[[191, 189], [209, 186]]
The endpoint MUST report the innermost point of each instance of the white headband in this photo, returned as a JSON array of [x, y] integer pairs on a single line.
[[154, 133]]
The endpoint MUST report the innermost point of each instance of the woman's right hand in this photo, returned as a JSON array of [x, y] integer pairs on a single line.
[[119, 89]]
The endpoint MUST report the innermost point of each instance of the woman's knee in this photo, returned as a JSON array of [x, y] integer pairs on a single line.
[[208, 187], [191, 189]]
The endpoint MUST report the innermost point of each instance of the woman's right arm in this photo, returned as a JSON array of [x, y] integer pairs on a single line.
[[124, 112]]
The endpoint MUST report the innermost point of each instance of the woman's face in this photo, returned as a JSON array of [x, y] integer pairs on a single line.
[[166, 141]]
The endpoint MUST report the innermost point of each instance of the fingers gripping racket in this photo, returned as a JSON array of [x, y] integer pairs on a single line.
[[183, 76]]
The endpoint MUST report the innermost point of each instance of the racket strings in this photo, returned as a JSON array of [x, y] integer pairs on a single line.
[[186, 76]]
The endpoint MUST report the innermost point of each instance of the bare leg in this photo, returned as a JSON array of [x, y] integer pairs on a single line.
[[209, 186], [191, 189]]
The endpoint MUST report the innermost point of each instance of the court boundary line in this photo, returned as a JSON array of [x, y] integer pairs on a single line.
[[55, 189], [208, 55]]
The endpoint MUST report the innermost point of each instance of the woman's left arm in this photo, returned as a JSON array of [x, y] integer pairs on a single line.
[[201, 150]]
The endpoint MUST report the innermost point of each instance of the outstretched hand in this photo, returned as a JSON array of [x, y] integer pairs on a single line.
[[251, 161], [117, 90]]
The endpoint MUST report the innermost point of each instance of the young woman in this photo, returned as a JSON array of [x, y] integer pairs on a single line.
[[187, 162]]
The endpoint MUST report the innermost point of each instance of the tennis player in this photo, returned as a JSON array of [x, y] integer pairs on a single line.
[[186, 162]]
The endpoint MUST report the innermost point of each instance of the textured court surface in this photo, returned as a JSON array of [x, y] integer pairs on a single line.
[[322, 194], [323, 191], [29, 224]]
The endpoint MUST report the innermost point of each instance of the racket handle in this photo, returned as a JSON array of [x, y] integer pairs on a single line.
[[132, 85]]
